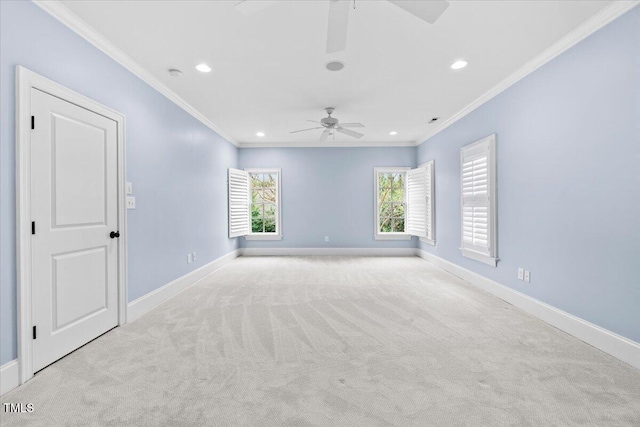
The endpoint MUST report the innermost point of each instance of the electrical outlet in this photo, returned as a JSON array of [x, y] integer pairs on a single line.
[[189, 258], [520, 273], [193, 257], [131, 202], [326, 238], [527, 277]]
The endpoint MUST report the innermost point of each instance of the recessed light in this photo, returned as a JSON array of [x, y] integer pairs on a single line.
[[203, 68], [459, 64], [393, 133], [175, 73], [260, 134], [334, 65]]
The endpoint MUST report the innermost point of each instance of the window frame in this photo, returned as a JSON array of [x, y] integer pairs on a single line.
[[379, 235], [263, 235], [432, 205], [488, 143]]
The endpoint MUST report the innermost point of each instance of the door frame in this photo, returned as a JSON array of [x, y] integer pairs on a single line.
[[25, 81]]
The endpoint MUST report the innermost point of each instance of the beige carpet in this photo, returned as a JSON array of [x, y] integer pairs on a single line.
[[332, 341]]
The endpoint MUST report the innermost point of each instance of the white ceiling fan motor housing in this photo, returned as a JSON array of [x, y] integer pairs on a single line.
[[329, 122]]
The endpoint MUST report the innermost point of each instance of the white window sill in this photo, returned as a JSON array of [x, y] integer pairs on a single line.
[[392, 236], [263, 237], [480, 257], [428, 241]]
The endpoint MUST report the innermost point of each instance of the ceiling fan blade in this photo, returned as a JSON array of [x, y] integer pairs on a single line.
[[324, 135], [350, 133], [314, 121], [304, 130], [338, 25], [428, 11], [351, 125], [249, 7]]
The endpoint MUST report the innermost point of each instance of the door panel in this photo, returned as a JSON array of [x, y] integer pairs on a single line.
[[74, 203], [79, 168], [79, 285]]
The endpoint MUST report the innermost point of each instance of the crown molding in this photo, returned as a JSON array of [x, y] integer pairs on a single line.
[[59, 11], [593, 24], [327, 144], [56, 9]]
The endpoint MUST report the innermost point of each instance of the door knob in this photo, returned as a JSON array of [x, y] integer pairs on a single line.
[[114, 234]]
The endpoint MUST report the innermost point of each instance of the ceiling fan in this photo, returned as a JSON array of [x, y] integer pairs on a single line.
[[426, 10], [331, 125]]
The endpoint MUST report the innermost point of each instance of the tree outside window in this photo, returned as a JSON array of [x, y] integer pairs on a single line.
[[264, 207], [391, 202]]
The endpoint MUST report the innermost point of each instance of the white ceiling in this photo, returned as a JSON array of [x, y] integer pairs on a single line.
[[268, 68]]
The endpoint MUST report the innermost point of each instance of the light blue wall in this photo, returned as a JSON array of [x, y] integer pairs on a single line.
[[327, 192], [568, 174], [568, 180], [177, 165]]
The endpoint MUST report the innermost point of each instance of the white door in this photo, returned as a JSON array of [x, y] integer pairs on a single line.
[[74, 209]]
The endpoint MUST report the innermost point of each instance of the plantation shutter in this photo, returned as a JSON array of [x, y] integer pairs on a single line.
[[239, 201], [430, 200], [430, 203], [478, 199], [418, 215]]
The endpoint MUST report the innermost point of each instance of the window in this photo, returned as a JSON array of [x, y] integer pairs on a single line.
[[478, 189], [391, 204], [264, 202], [404, 203], [420, 202], [254, 204]]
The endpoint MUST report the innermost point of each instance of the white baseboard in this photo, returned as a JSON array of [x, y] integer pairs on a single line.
[[617, 346], [151, 300], [328, 251], [9, 376]]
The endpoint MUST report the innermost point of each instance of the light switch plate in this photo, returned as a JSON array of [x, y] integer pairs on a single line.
[[131, 202], [520, 273], [129, 187], [526, 276]]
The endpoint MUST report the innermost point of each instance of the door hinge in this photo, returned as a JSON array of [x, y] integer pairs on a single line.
[[33, 227], [33, 122], [34, 332]]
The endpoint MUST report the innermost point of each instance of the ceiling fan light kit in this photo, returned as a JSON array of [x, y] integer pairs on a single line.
[[332, 124]]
